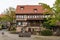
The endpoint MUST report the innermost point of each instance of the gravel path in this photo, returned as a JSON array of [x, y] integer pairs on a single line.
[[8, 36]]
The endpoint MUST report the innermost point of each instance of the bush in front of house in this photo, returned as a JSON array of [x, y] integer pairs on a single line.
[[12, 28], [46, 32]]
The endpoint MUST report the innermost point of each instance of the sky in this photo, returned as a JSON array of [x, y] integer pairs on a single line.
[[4, 4]]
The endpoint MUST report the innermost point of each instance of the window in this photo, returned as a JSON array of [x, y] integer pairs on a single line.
[[40, 16], [19, 23], [46, 16], [35, 10], [21, 16], [25, 16], [17, 16], [22, 7], [24, 23], [35, 16], [30, 16], [43, 16]]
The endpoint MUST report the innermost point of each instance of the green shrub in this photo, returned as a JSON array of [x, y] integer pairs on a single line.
[[46, 33]]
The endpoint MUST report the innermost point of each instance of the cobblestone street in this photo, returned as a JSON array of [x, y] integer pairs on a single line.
[[8, 36]]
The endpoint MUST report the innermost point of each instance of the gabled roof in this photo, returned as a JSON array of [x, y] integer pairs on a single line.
[[29, 9]]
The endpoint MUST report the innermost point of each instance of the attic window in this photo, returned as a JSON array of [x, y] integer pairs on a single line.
[[22, 8], [35, 10]]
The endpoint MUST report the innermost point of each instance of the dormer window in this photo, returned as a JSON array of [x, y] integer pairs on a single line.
[[22, 8], [35, 10]]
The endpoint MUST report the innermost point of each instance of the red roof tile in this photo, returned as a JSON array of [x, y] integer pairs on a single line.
[[29, 9]]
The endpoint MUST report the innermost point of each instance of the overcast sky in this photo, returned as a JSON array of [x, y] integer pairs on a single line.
[[13, 3]]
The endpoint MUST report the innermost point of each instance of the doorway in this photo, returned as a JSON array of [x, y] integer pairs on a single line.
[[29, 29]]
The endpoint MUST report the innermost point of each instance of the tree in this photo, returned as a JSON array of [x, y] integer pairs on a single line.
[[56, 9], [10, 13], [50, 21], [9, 16], [56, 12], [47, 8]]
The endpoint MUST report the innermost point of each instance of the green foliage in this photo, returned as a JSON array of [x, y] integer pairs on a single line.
[[9, 15], [56, 9], [46, 33], [12, 28], [47, 8], [49, 23]]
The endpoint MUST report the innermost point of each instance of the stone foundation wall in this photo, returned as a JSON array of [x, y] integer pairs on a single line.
[[18, 29]]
